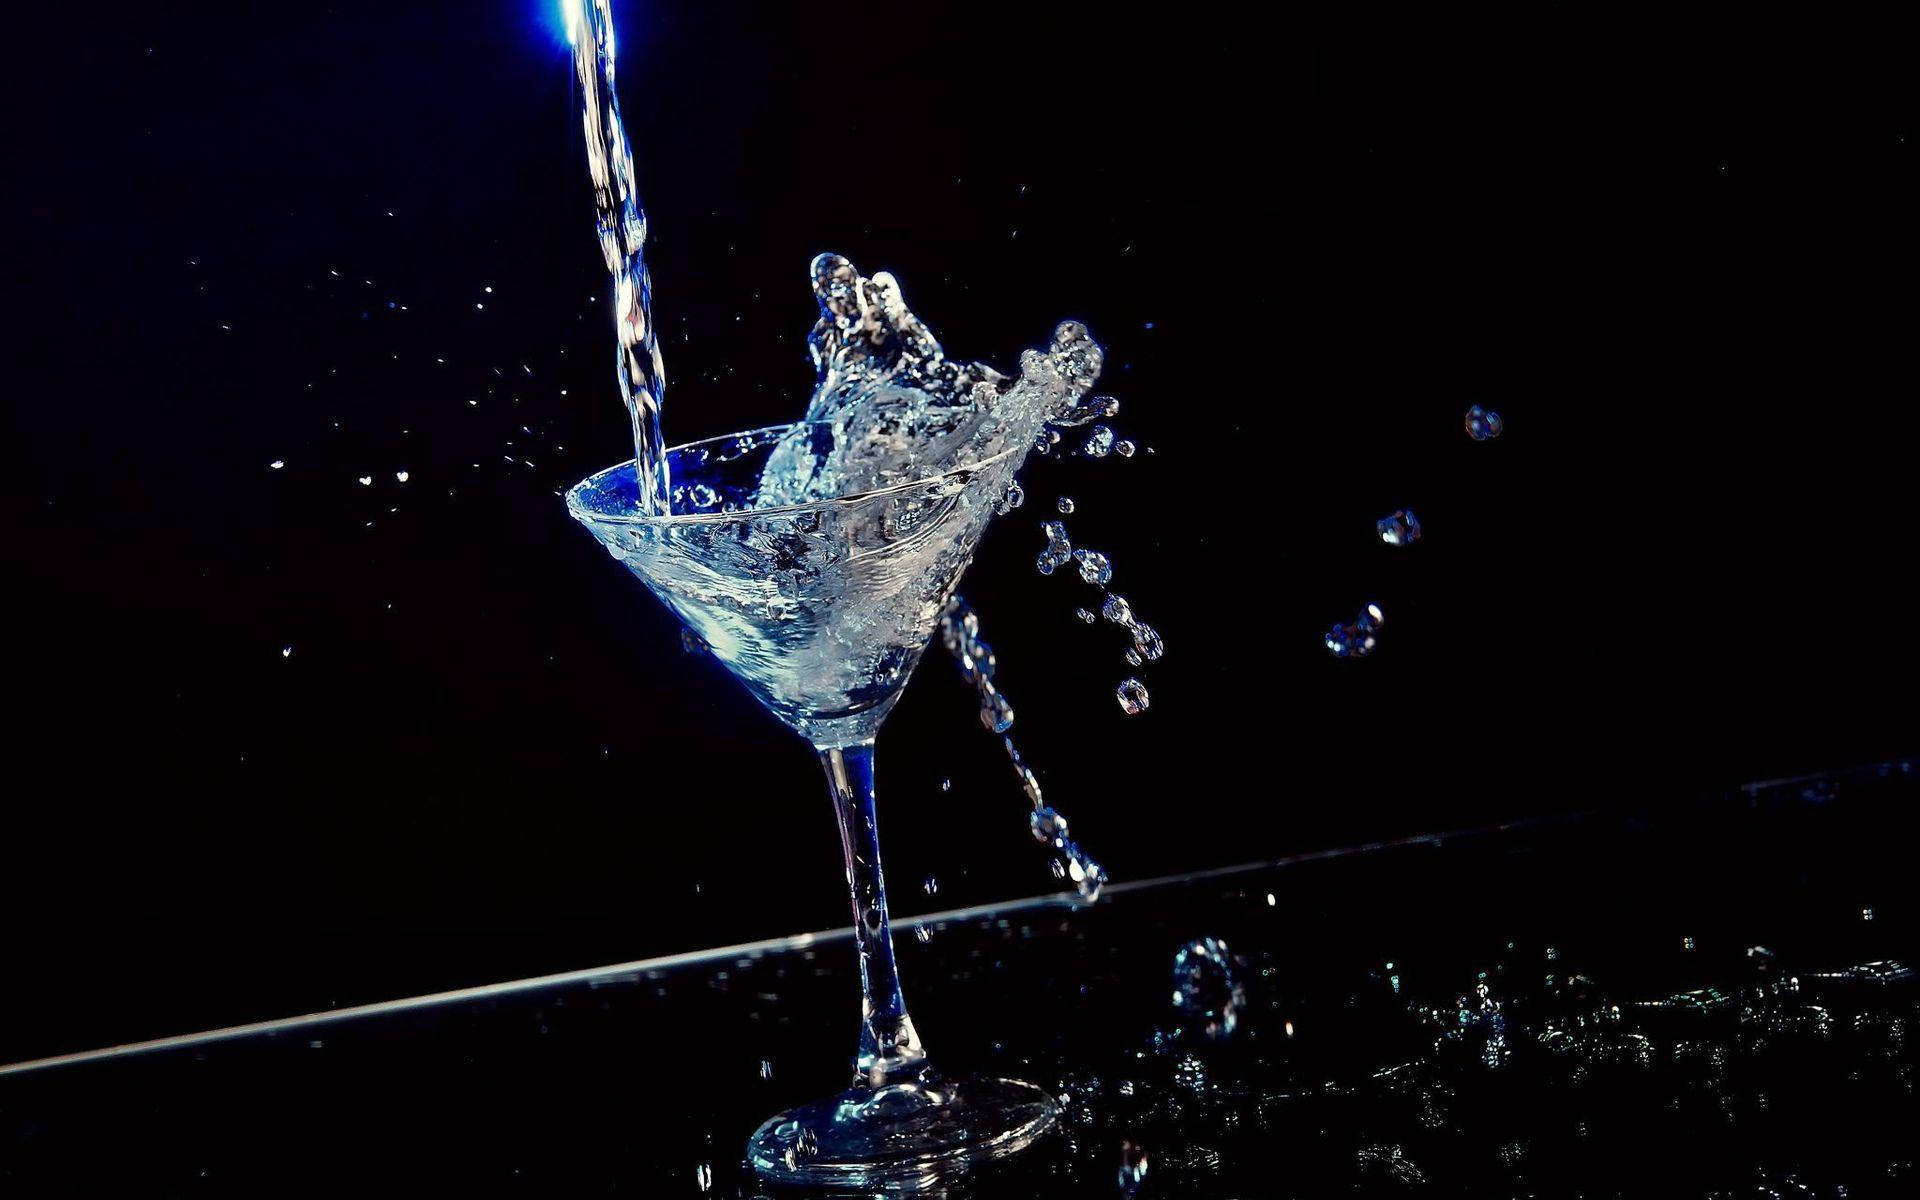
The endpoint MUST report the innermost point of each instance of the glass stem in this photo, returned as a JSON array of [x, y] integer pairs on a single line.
[[889, 1048]]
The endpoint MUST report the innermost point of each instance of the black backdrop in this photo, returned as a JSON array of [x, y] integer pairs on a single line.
[[1681, 268]]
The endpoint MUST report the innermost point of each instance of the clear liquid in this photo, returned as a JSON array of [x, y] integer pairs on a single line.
[[622, 227]]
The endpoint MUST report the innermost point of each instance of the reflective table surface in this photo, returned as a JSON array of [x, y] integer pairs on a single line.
[[1711, 1001]]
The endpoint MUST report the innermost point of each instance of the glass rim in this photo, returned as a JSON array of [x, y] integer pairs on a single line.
[[585, 514]]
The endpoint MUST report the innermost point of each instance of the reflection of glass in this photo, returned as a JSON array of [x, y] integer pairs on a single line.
[[822, 610]]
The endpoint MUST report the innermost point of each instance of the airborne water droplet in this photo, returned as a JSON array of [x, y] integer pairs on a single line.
[[1064, 504], [1401, 528], [1094, 567], [1124, 448], [1086, 615], [1049, 827], [1116, 609], [1483, 423], [1147, 641], [1132, 695], [1099, 442]]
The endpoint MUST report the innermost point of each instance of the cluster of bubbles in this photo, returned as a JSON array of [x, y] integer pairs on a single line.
[[960, 634], [1355, 639]]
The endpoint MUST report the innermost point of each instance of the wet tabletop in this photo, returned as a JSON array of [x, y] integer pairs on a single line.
[[1712, 1002]]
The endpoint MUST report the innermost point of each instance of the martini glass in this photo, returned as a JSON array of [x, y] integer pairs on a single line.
[[822, 610]]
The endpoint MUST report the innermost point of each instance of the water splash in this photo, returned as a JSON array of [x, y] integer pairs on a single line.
[[623, 238], [960, 634], [897, 409]]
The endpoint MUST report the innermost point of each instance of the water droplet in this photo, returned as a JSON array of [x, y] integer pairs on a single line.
[[1014, 497], [1086, 615], [1402, 528], [996, 713], [923, 934], [1049, 827], [691, 642], [1206, 990], [1059, 549], [703, 1177], [1058, 868], [1132, 695], [1099, 442], [1116, 609], [1065, 505], [1133, 1168], [946, 785], [366, 481], [1483, 423], [1147, 641], [931, 885], [402, 476], [1133, 657], [1124, 448], [766, 1068], [286, 652], [277, 464], [1355, 640], [1094, 567]]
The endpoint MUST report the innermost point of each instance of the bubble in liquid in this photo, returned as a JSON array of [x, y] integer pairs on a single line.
[[1132, 695], [1065, 505], [1402, 528], [1483, 423], [1147, 642], [1206, 992], [1116, 609], [1099, 442], [1094, 567], [1124, 448]]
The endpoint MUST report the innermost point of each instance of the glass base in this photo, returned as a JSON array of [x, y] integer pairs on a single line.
[[903, 1135]]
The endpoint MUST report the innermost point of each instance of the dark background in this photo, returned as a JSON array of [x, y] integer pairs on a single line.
[[1680, 267]]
